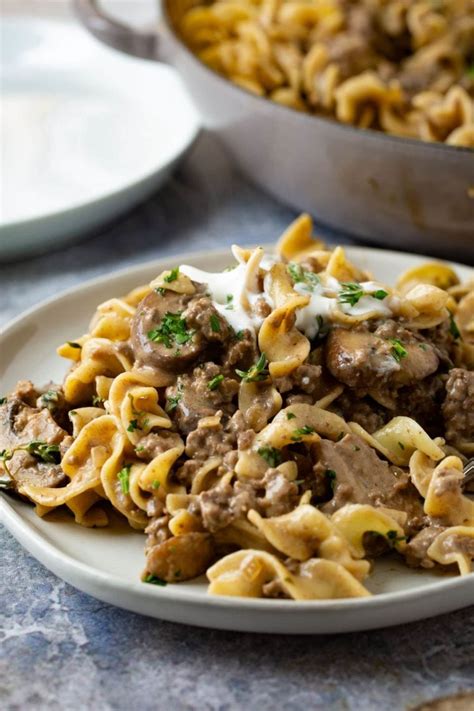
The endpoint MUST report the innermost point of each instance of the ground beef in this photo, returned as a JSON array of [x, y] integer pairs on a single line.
[[305, 379], [366, 412], [416, 551], [157, 530], [272, 495], [458, 407], [156, 443], [194, 399], [422, 402], [241, 353], [202, 316]]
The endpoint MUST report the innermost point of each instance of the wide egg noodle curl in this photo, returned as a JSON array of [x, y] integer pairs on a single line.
[[399, 439], [455, 545], [133, 400], [156, 475], [354, 520], [258, 402], [284, 346], [304, 533], [112, 320], [445, 501], [282, 431], [83, 462], [99, 356], [246, 572], [297, 240], [120, 499]]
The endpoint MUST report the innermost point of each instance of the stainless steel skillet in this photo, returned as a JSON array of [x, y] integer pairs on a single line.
[[394, 191]]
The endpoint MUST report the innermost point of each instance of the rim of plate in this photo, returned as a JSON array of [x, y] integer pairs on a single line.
[[176, 592], [194, 125]]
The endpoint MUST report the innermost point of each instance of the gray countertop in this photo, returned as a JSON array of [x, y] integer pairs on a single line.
[[64, 650]]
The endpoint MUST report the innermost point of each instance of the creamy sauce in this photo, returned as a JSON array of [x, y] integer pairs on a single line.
[[235, 302]]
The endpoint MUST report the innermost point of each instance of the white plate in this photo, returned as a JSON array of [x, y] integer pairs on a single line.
[[87, 132], [106, 563]]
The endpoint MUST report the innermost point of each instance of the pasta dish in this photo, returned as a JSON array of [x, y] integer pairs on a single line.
[[276, 426], [403, 67]]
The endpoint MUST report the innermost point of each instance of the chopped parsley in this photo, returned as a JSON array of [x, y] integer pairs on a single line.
[[229, 301], [423, 346], [331, 477], [159, 290], [124, 478], [351, 293], [154, 580], [171, 331], [73, 344], [172, 276], [50, 397], [299, 433], [139, 449], [133, 425], [215, 324], [398, 350], [155, 484], [239, 335], [290, 415], [173, 401], [271, 455], [300, 275], [48, 453], [393, 537], [453, 327], [323, 328], [256, 372], [97, 401], [215, 382]]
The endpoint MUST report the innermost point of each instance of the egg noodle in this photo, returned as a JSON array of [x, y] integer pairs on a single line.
[[276, 426], [403, 67]]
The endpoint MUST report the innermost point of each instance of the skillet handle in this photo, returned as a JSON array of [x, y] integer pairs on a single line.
[[146, 45]]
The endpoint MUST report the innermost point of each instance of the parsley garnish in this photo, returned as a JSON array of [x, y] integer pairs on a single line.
[[239, 335], [271, 455], [423, 346], [171, 329], [290, 416], [229, 299], [330, 475], [215, 382], [139, 449], [398, 350], [49, 397], [97, 401], [173, 401], [215, 324], [256, 373], [124, 478], [300, 275], [155, 484], [350, 293], [393, 537], [172, 276], [301, 431], [73, 344], [379, 294], [48, 453], [154, 580], [133, 425], [159, 290], [453, 327]]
